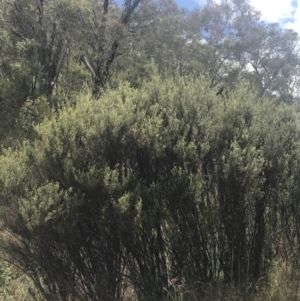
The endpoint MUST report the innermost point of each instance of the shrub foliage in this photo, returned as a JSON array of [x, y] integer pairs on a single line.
[[142, 186]]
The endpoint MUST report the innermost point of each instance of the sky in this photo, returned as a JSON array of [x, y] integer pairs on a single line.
[[284, 12]]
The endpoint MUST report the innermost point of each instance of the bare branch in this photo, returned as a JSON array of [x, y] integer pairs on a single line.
[[21, 13], [13, 31], [105, 6], [129, 9], [88, 65]]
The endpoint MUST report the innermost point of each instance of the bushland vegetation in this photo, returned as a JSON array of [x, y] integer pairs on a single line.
[[147, 153]]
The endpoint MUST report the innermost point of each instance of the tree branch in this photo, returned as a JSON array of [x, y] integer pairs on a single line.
[[88, 66], [105, 6], [129, 10]]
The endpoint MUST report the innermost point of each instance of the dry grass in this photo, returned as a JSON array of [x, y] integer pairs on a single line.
[[281, 284]]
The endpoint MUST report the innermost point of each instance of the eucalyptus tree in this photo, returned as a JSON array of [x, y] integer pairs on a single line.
[[273, 55], [108, 36], [41, 32], [226, 40]]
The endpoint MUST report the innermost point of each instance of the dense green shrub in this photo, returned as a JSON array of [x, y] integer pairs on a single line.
[[146, 185]]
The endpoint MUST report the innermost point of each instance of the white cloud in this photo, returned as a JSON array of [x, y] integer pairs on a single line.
[[280, 11], [276, 11], [295, 25]]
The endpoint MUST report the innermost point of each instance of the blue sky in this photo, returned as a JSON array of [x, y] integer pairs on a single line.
[[285, 12], [190, 4]]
